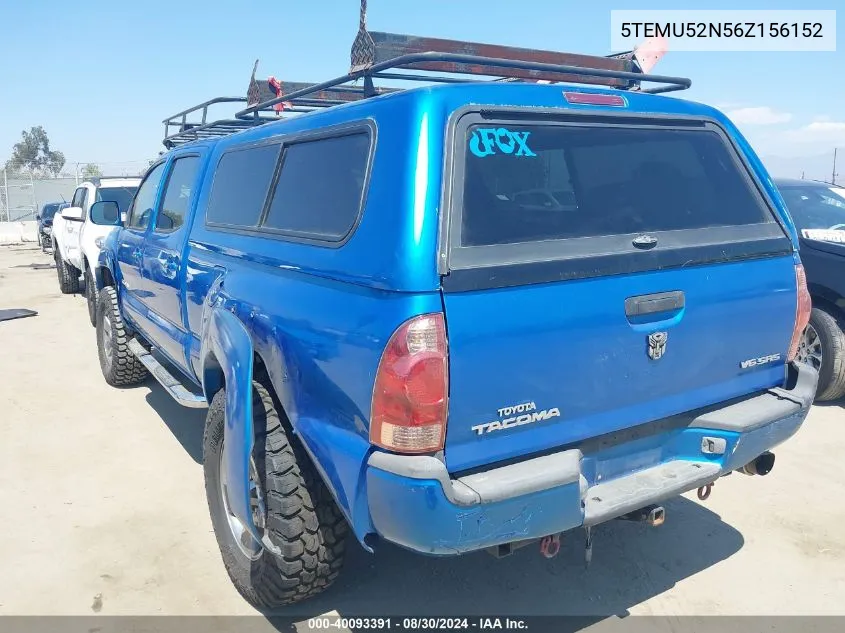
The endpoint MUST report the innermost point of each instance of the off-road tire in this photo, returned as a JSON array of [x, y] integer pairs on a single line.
[[303, 522], [91, 297], [68, 275], [119, 365], [832, 371]]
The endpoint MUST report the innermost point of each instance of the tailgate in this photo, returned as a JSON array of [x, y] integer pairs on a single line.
[[601, 277]]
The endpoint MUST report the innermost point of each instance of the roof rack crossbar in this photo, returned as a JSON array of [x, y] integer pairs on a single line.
[[432, 78]]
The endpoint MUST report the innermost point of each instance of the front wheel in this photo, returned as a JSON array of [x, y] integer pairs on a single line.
[[68, 275], [119, 365], [303, 533], [91, 297]]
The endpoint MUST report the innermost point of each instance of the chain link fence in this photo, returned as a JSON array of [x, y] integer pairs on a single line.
[[23, 195]]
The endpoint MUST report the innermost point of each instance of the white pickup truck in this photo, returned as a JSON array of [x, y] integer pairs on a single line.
[[77, 236]]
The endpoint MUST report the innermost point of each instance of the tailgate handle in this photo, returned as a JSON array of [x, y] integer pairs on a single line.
[[657, 302]]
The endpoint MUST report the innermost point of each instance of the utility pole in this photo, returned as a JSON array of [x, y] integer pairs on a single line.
[[6, 193], [833, 176]]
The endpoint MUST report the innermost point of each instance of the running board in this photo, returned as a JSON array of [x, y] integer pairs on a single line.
[[619, 496], [172, 386]]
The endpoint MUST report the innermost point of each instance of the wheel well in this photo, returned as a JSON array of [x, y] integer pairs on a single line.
[[213, 378], [108, 280], [261, 374], [820, 301]]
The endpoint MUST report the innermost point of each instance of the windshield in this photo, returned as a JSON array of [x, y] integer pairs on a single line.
[[816, 207], [49, 210], [121, 195]]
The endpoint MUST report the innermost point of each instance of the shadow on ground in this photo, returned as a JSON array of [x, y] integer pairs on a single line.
[[35, 266], [831, 403], [185, 424], [631, 564]]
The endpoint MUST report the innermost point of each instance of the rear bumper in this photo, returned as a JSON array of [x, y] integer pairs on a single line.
[[414, 502]]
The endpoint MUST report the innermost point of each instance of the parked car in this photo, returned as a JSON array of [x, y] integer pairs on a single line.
[[45, 222], [389, 343], [78, 234], [818, 210]]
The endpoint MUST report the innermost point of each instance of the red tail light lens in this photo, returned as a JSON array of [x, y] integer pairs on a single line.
[[410, 396], [802, 311]]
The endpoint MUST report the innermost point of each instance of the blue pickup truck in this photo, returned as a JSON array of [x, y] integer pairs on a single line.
[[457, 317]]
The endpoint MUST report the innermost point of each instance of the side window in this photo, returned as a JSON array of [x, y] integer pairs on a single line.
[[84, 203], [142, 207], [240, 186], [178, 194], [78, 197], [320, 187]]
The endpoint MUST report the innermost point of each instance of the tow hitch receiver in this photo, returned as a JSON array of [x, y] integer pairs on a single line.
[[653, 515]]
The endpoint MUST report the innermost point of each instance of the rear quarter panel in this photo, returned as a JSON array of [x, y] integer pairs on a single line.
[[318, 316]]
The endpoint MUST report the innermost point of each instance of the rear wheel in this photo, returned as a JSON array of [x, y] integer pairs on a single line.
[[823, 346], [68, 275], [91, 297], [303, 533], [120, 366]]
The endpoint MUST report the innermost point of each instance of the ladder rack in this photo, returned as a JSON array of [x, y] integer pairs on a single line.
[[391, 56]]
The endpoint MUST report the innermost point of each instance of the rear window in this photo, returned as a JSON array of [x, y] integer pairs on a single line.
[[526, 183], [320, 187], [240, 186]]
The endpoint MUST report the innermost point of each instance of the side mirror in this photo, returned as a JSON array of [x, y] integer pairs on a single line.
[[105, 213], [72, 213]]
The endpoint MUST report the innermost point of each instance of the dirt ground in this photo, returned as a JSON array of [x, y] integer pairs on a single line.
[[104, 511]]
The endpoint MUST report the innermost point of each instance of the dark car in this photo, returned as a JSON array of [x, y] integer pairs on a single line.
[[818, 209], [45, 221]]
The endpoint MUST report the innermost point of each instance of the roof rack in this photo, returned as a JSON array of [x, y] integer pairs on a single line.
[[379, 55]]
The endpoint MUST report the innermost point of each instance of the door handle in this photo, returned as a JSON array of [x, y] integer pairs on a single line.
[[657, 302]]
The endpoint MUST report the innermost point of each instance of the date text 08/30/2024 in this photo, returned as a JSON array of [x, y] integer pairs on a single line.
[[416, 623]]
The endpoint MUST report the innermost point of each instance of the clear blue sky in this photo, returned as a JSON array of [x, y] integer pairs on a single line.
[[100, 75]]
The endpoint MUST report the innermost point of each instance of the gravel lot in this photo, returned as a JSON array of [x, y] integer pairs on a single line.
[[104, 510]]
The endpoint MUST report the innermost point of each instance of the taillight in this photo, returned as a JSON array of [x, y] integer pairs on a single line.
[[802, 311], [410, 393]]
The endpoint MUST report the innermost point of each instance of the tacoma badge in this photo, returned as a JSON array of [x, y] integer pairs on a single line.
[[518, 415]]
